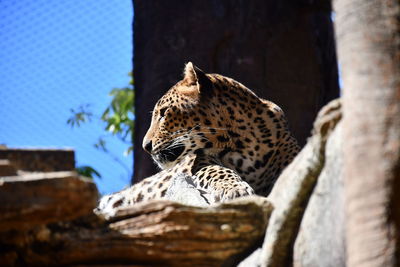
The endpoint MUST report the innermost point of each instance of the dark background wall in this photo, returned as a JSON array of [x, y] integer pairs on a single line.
[[283, 50]]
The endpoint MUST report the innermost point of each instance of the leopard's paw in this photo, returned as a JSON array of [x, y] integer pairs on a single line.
[[236, 190]]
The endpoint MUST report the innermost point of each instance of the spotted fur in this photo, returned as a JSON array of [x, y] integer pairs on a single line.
[[240, 142]]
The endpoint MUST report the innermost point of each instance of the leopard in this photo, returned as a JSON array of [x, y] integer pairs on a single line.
[[231, 142]]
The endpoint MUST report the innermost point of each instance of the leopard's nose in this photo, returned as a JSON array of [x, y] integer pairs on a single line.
[[148, 146]]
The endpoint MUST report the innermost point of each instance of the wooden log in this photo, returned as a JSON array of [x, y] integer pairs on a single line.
[[159, 233], [47, 219], [41, 198], [6, 168], [39, 159], [165, 233]]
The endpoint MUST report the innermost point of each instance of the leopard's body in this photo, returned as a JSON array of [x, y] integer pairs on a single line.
[[237, 143]]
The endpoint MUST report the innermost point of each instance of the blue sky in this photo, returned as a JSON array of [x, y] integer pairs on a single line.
[[56, 55]]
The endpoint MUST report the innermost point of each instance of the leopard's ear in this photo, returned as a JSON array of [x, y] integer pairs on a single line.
[[195, 77], [189, 75]]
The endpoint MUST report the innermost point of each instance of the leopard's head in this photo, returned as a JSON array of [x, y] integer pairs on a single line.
[[185, 120]]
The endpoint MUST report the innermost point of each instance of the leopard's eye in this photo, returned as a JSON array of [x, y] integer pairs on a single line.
[[162, 112]]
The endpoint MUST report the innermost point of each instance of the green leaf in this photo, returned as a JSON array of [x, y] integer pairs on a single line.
[[88, 171], [79, 116], [118, 118], [101, 145], [128, 151]]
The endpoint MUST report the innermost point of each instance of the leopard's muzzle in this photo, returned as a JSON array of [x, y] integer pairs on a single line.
[[169, 154]]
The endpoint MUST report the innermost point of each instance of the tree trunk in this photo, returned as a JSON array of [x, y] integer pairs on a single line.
[[283, 50], [368, 37]]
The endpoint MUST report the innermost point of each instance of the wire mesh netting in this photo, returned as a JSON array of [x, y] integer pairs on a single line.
[[57, 55]]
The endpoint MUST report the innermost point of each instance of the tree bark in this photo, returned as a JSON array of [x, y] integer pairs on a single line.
[[368, 38], [283, 50]]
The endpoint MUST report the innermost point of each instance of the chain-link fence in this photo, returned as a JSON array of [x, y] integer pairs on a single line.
[[56, 55]]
